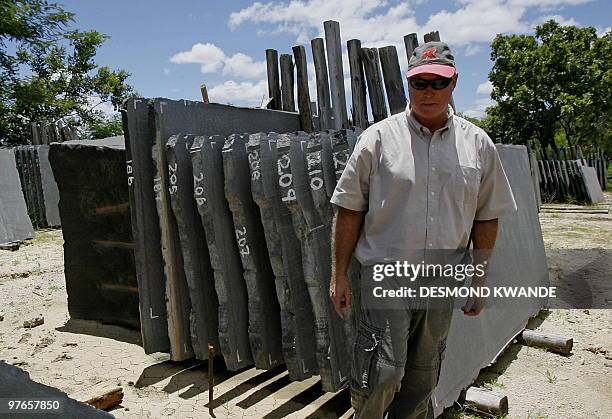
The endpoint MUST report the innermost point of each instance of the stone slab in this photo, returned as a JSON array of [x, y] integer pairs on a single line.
[[519, 259], [15, 224], [593, 188], [264, 310], [16, 383], [296, 179], [49, 188], [139, 138], [218, 225], [98, 247], [196, 260], [284, 249]]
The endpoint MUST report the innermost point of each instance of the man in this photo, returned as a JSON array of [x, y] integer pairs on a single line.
[[419, 181]]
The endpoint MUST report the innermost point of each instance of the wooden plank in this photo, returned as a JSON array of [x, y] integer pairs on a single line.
[[204, 93], [393, 79], [273, 82], [336, 76], [287, 81], [323, 95], [358, 88], [299, 54], [369, 56], [411, 41]]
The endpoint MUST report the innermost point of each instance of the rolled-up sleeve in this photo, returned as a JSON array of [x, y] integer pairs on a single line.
[[353, 189], [495, 196]]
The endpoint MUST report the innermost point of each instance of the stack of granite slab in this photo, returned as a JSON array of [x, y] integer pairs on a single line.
[[231, 222], [98, 248], [15, 225], [38, 185]]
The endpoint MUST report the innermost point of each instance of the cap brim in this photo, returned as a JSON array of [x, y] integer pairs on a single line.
[[439, 69]]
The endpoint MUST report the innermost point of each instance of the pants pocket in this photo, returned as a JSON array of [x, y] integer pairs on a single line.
[[365, 354]]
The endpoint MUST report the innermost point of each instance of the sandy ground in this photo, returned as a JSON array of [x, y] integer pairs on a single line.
[[85, 358]]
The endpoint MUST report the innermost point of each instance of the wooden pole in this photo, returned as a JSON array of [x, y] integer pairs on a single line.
[[323, 95], [107, 400], [211, 379], [358, 89], [302, 85], [411, 41], [393, 79], [336, 75], [432, 36], [486, 401], [369, 56], [204, 92], [273, 83], [558, 344], [287, 81]]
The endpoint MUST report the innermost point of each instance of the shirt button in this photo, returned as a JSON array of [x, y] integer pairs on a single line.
[[433, 169], [432, 193], [430, 244], [430, 218]]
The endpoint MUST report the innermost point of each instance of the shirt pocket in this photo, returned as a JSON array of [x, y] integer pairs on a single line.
[[467, 183]]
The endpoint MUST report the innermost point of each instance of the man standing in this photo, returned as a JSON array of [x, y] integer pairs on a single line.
[[420, 181]]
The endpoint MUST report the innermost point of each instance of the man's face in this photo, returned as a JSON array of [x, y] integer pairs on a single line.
[[430, 103]]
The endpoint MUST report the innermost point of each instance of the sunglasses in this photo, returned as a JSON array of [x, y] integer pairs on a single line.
[[436, 84]]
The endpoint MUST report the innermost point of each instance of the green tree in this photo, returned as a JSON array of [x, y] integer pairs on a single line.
[[558, 81], [105, 127], [48, 72]]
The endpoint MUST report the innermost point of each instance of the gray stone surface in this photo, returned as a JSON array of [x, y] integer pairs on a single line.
[[593, 188], [264, 311], [15, 224], [139, 138], [49, 188], [151, 122], [284, 249], [16, 384], [518, 259], [295, 186], [196, 260], [98, 247], [218, 225]]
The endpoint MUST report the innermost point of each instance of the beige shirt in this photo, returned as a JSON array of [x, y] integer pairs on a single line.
[[421, 190]]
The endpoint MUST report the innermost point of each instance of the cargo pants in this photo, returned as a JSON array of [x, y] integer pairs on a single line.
[[397, 355]]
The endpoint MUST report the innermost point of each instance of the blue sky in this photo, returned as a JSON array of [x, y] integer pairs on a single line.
[[170, 48]]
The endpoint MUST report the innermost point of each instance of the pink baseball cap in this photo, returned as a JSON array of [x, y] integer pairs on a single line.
[[433, 58]]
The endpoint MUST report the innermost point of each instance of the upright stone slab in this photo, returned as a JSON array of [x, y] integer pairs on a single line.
[[40, 199], [286, 259], [264, 310], [593, 189], [518, 259], [139, 137], [196, 260], [49, 188], [98, 247], [15, 224], [218, 224]]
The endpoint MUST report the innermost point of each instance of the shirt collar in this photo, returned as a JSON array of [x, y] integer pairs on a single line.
[[424, 130]]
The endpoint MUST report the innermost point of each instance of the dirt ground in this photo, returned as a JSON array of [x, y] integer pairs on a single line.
[[85, 358]]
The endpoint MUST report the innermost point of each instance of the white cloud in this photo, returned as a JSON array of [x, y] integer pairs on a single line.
[[166, 71], [485, 88], [212, 59], [96, 103], [602, 32], [478, 109], [248, 93], [377, 23], [561, 20], [472, 50]]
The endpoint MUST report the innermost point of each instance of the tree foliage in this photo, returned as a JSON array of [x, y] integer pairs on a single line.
[[48, 72], [556, 82]]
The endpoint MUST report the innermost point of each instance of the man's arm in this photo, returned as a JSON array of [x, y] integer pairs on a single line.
[[345, 233], [484, 234]]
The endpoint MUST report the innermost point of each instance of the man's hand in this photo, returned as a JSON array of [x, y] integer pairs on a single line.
[[474, 305], [340, 293]]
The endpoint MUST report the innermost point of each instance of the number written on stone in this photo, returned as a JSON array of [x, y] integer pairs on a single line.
[[242, 241], [254, 163], [198, 189], [285, 178], [172, 171]]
